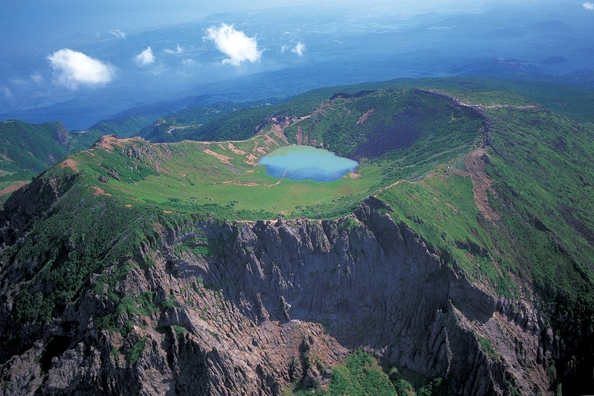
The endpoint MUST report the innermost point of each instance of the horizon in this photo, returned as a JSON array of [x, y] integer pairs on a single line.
[[84, 63]]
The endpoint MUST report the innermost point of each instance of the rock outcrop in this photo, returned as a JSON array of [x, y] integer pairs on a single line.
[[226, 308]]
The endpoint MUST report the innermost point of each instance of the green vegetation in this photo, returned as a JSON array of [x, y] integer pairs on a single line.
[[358, 375], [199, 121], [178, 330], [348, 224], [136, 351], [240, 121], [128, 125], [214, 123], [442, 209], [372, 124], [145, 304], [83, 235], [487, 347], [542, 192], [530, 172], [547, 208], [569, 101], [410, 383], [129, 181], [28, 149]]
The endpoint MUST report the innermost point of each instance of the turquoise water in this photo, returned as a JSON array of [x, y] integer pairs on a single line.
[[306, 162]]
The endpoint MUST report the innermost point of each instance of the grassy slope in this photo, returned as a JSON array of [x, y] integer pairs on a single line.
[[28, 149], [126, 126], [540, 165]]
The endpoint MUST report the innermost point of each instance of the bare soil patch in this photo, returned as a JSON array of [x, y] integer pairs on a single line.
[[279, 132], [99, 191], [223, 158], [236, 150], [69, 163]]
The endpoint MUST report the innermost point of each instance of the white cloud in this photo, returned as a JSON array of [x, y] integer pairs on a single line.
[[118, 33], [145, 58], [235, 44], [189, 62], [283, 49], [588, 6], [299, 48], [73, 68], [178, 50], [36, 77]]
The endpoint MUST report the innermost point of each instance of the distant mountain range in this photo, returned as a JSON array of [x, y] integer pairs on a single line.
[[342, 45]]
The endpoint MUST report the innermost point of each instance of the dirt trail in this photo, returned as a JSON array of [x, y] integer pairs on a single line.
[[481, 106], [381, 190], [364, 117], [481, 183], [251, 184]]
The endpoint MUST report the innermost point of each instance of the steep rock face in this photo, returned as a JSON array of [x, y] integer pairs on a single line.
[[275, 302], [377, 285]]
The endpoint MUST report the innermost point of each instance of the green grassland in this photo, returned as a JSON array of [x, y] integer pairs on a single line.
[[191, 179]]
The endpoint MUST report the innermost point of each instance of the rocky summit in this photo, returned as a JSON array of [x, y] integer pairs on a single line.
[[456, 259]]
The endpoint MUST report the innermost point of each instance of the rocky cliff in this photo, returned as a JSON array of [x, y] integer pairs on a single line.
[[224, 308]]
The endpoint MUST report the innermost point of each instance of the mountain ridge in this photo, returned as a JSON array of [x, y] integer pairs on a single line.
[[29, 149]]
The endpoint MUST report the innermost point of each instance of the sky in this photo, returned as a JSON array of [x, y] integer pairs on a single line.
[[74, 51], [27, 24], [27, 21]]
